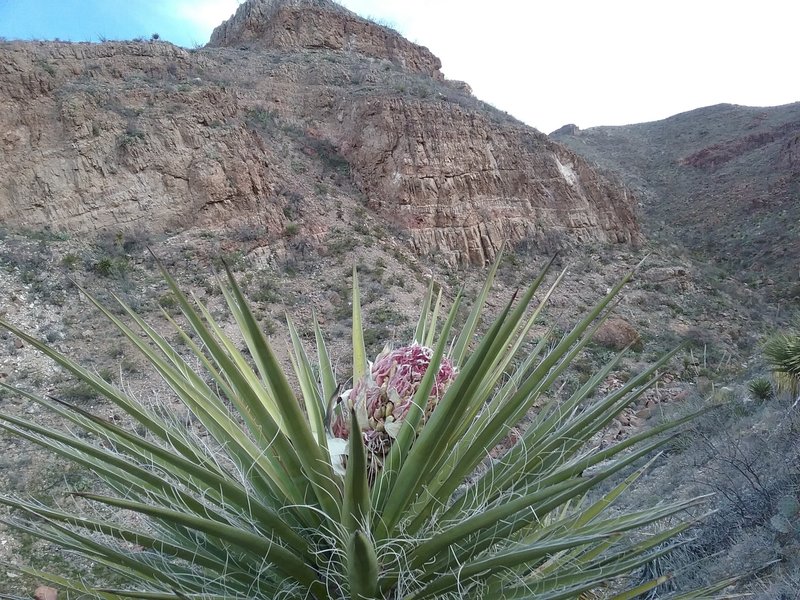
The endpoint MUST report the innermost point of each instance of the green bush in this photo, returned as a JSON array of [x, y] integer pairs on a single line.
[[760, 388], [70, 261], [112, 267], [394, 489], [782, 353]]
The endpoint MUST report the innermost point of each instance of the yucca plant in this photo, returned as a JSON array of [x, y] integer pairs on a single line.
[[782, 353], [760, 388], [303, 490]]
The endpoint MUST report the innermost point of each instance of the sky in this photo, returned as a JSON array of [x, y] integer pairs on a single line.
[[547, 62]]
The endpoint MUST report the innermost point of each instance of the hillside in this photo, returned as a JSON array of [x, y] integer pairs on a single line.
[[724, 181], [304, 140], [293, 109]]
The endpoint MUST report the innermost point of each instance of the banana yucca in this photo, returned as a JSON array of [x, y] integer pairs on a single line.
[[296, 489]]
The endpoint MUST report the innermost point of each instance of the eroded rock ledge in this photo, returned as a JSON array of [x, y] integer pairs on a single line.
[[146, 135], [463, 183], [319, 24]]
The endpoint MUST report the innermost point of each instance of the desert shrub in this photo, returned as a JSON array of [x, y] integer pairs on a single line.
[[748, 460], [782, 353], [168, 302], [262, 118], [760, 388], [79, 391], [291, 229], [112, 267], [392, 489], [70, 261]]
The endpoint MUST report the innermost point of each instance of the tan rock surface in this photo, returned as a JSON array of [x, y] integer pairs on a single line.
[[44, 592], [463, 182], [617, 334]]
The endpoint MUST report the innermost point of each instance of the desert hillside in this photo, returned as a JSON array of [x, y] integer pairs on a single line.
[[303, 141], [723, 180]]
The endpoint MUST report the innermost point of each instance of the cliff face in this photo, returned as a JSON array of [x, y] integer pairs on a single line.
[[322, 108], [462, 183], [90, 140]]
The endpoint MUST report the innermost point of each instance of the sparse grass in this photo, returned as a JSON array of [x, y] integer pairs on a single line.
[[46, 67], [80, 392]]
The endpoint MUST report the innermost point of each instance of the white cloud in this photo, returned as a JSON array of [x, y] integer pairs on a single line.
[[203, 15]]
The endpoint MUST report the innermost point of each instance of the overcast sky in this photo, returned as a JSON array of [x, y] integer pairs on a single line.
[[547, 62]]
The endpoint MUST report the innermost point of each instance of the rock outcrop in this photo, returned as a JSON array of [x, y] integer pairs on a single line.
[[100, 136], [319, 24], [463, 183], [323, 108]]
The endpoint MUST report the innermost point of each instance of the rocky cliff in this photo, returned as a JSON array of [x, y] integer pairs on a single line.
[[462, 183], [294, 108], [292, 25]]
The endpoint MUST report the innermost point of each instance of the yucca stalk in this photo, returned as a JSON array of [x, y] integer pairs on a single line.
[[262, 500]]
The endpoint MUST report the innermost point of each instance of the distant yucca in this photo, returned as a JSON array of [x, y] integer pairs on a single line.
[[760, 388], [782, 353]]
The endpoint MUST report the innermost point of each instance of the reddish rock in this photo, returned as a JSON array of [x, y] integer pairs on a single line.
[[44, 592], [617, 333]]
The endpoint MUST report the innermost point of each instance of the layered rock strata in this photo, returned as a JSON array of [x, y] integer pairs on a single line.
[[322, 109]]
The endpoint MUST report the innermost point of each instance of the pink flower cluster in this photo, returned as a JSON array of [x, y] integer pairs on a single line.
[[383, 398]]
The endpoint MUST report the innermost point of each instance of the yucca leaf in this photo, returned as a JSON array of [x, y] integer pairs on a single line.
[[133, 565], [204, 404], [571, 585], [482, 433], [198, 555], [391, 492], [249, 505], [640, 590], [315, 406], [468, 330], [359, 352], [420, 331], [64, 583], [516, 515], [315, 462], [224, 490], [99, 385], [268, 549], [513, 514], [462, 401], [326, 374], [356, 507], [506, 559], [550, 438], [362, 567], [430, 332]]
